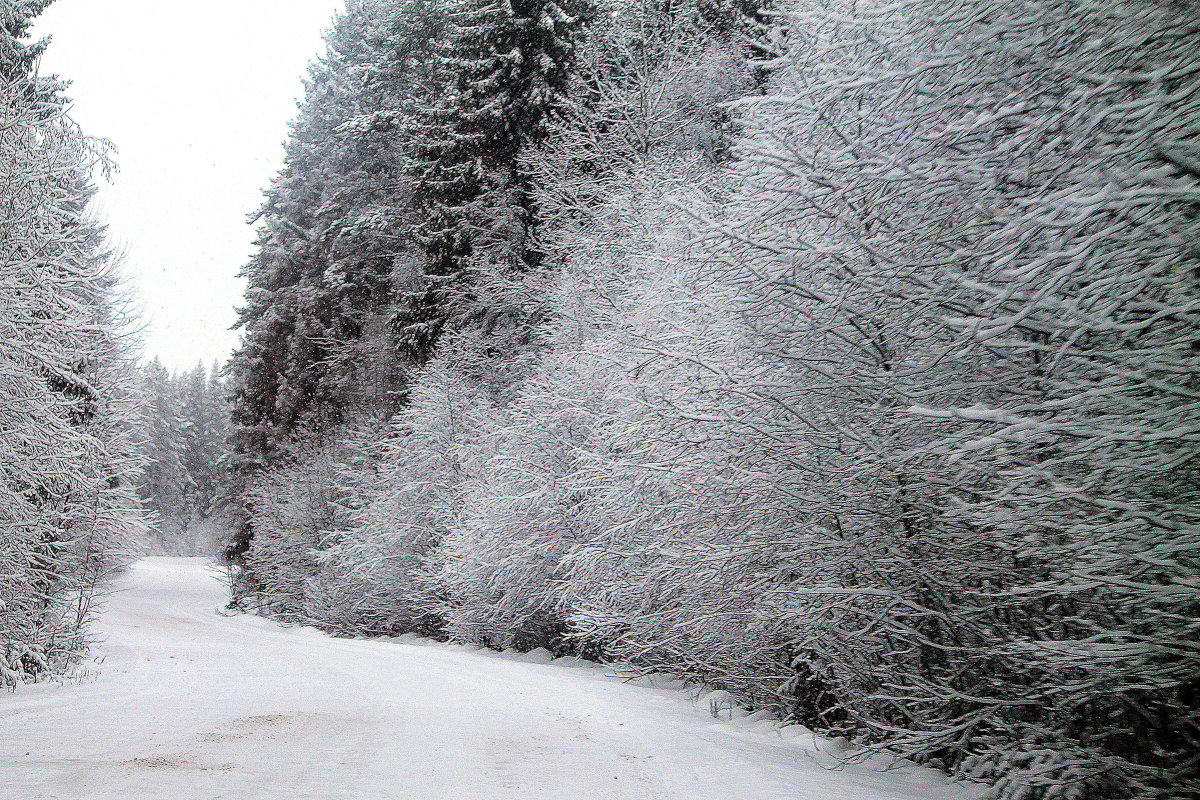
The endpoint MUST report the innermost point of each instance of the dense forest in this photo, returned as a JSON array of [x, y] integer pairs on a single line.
[[844, 356]]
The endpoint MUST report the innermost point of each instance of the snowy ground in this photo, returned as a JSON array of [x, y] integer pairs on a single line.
[[187, 704]]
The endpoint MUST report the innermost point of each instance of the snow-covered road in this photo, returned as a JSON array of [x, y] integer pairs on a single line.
[[191, 705]]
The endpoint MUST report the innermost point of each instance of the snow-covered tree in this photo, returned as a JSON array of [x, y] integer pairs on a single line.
[[335, 242], [333, 237], [67, 459], [501, 70]]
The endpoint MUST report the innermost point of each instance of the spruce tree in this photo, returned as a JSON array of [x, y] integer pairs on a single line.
[[333, 240], [332, 237], [503, 68], [18, 56]]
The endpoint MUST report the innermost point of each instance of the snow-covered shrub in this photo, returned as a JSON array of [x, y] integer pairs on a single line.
[[636, 107], [498, 564], [677, 503], [1080, 296], [966, 228], [381, 567], [620, 508], [298, 511], [577, 516]]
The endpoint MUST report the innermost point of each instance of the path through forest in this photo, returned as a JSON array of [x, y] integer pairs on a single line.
[[188, 704]]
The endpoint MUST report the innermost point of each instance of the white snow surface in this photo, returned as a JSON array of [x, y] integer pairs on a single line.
[[184, 703]]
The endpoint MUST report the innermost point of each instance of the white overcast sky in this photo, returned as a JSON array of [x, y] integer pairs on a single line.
[[197, 97]]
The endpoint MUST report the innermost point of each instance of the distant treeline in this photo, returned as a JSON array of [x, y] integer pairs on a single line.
[[842, 355], [183, 438]]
